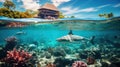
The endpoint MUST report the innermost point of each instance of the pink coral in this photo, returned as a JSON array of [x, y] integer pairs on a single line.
[[17, 57], [79, 64]]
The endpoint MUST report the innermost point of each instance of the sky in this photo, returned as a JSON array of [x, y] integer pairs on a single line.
[[77, 8]]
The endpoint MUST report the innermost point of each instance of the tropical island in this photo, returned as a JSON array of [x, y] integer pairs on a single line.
[[8, 10]]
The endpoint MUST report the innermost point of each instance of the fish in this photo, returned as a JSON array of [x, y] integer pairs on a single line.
[[70, 37], [20, 33]]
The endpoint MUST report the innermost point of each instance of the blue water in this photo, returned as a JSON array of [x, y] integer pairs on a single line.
[[48, 33]]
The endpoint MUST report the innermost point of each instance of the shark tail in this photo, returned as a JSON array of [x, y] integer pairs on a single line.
[[92, 40]]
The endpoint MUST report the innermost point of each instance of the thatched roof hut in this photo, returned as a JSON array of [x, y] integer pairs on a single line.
[[48, 11]]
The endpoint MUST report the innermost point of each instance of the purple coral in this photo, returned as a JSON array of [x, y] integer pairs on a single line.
[[11, 39], [79, 64], [11, 42]]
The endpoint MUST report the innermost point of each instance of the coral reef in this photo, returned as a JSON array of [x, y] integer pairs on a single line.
[[59, 51], [15, 24], [62, 62], [42, 54], [18, 58], [44, 61], [48, 55], [79, 64]]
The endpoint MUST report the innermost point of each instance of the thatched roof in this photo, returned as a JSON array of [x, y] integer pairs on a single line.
[[49, 6]]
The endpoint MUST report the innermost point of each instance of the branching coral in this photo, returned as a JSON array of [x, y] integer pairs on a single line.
[[79, 64], [17, 57]]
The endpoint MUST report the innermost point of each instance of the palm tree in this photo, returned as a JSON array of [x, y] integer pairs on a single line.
[[100, 15], [9, 4], [109, 15]]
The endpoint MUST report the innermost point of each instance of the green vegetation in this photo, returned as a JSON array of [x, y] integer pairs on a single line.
[[110, 15], [14, 14], [61, 15], [8, 11], [9, 4], [72, 17]]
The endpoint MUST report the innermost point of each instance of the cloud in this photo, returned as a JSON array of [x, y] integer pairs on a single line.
[[91, 9], [58, 2], [102, 6], [84, 16], [70, 10], [2, 0], [117, 5], [31, 4]]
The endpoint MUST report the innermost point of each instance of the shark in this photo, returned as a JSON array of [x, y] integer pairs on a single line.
[[70, 37]]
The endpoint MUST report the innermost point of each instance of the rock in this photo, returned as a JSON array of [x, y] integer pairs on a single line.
[[44, 61], [3, 53], [116, 64], [42, 55], [32, 45], [90, 60], [59, 52], [70, 57], [97, 55], [48, 55], [104, 64], [83, 55], [35, 42], [62, 62], [50, 50], [67, 50]]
